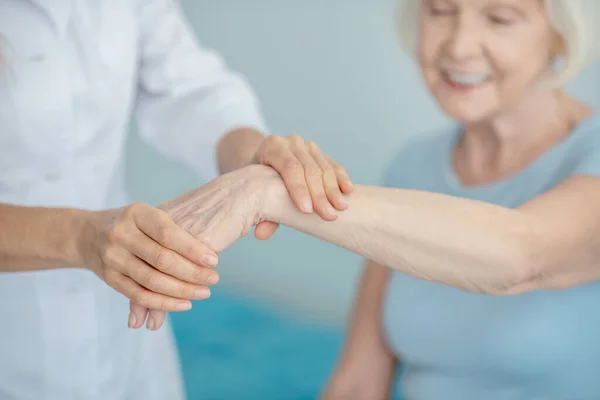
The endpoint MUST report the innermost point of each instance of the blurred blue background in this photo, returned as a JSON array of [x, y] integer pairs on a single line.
[[331, 71]]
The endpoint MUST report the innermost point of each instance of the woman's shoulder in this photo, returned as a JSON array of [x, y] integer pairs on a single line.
[[581, 151]]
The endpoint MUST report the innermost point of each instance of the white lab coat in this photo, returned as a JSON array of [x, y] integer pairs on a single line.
[[74, 73]]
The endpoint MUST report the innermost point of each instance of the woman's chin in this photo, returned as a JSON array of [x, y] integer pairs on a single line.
[[464, 114]]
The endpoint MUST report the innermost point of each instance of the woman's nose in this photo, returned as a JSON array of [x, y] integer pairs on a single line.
[[465, 39]]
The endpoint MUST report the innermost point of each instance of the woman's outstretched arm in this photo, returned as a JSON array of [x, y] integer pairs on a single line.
[[549, 242], [552, 241]]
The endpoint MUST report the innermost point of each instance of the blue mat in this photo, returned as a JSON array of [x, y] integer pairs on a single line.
[[233, 348]]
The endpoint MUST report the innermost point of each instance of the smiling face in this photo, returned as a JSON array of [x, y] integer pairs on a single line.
[[480, 58]]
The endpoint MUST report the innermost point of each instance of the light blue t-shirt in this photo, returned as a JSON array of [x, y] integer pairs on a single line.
[[455, 345]]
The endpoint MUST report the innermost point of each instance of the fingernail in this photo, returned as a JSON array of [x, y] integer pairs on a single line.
[[183, 306], [341, 200], [213, 279], [210, 260], [330, 210], [307, 206], [150, 324], [132, 320], [202, 293]]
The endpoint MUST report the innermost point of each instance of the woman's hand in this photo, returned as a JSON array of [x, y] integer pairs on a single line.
[[224, 210], [218, 214], [313, 179], [139, 251]]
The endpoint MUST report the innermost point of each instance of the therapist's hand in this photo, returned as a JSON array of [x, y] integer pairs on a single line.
[[218, 214], [139, 251], [314, 181]]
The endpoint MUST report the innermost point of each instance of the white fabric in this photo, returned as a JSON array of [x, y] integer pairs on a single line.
[[74, 73]]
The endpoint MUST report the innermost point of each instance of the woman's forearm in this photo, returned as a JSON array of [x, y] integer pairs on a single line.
[[367, 366], [475, 246], [37, 238]]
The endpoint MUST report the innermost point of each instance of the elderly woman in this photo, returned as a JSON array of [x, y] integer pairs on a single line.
[[484, 246]]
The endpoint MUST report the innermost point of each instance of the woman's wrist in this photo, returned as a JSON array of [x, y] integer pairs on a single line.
[[275, 201]]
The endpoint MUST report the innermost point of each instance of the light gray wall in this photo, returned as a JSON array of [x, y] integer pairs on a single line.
[[332, 72]]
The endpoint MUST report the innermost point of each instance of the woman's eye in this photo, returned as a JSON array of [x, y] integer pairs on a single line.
[[498, 20], [441, 8], [442, 11]]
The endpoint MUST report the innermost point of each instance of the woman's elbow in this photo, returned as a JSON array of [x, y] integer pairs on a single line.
[[520, 271]]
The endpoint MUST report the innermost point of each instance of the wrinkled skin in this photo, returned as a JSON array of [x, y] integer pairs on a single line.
[[226, 209], [314, 182], [218, 214]]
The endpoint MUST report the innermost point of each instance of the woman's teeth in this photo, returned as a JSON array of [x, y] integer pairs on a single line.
[[467, 78]]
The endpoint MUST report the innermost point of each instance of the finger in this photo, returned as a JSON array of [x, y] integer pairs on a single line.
[[169, 262], [344, 180], [162, 229], [156, 320], [289, 167], [264, 230], [314, 178], [147, 299], [161, 283], [137, 315], [330, 181]]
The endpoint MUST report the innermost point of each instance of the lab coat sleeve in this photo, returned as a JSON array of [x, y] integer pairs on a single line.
[[187, 97]]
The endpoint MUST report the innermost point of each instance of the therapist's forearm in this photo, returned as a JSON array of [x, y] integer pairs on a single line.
[[236, 149], [471, 245], [38, 238]]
